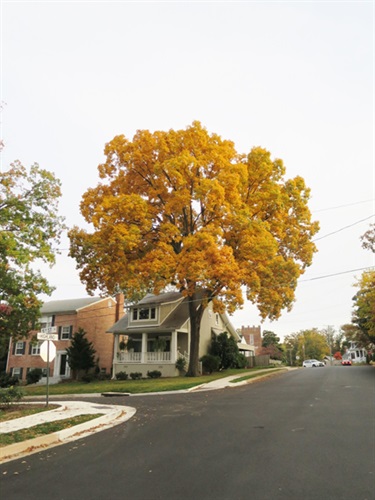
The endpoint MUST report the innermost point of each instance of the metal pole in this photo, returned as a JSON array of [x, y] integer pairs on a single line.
[[47, 373]]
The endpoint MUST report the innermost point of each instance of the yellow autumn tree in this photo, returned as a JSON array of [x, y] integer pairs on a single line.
[[183, 208]]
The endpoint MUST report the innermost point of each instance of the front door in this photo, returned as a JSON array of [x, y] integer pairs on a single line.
[[62, 369]]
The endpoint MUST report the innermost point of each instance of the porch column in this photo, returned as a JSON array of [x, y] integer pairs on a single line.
[[115, 348], [144, 348], [174, 347]]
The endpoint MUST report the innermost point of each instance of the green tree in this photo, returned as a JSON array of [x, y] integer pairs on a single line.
[[81, 354], [270, 338], [29, 227], [184, 208]]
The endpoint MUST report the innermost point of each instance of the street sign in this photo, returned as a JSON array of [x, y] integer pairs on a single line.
[[44, 351], [49, 329], [47, 336]]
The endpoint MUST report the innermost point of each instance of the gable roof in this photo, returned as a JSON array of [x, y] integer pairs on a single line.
[[176, 319], [68, 305]]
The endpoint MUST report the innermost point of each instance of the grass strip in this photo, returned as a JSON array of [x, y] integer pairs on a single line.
[[43, 429], [134, 386], [254, 375]]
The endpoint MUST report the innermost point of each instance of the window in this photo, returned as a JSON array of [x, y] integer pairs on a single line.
[[20, 348], [65, 332], [17, 372], [251, 339], [35, 349], [46, 321], [144, 313]]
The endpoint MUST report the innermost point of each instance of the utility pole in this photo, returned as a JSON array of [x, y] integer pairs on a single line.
[[329, 335]]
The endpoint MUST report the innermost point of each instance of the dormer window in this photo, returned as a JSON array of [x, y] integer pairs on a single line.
[[144, 313]]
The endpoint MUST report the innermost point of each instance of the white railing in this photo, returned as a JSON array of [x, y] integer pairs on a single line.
[[157, 356], [129, 357], [149, 357]]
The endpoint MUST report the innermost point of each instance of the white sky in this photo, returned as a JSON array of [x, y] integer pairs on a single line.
[[294, 77]]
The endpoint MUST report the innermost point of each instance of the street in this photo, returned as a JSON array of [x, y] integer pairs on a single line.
[[306, 434]]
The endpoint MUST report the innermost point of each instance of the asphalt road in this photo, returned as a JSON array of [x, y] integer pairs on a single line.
[[307, 434]]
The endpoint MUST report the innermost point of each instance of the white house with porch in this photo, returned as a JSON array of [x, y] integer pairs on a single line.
[[155, 332]]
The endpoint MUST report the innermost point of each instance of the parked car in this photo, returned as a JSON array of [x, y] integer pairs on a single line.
[[312, 363], [346, 362]]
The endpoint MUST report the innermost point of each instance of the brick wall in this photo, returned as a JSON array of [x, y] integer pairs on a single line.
[[253, 336]]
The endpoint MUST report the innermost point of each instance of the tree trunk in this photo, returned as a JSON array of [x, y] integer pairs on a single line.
[[195, 313]]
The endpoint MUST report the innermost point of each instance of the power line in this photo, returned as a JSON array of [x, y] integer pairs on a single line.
[[343, 206], [339, 273], [343, 228]]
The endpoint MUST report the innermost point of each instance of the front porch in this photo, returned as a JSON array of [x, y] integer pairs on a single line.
[[150, 351]]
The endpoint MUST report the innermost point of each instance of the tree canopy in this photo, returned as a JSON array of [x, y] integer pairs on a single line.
[[184, 208], [29, 226]]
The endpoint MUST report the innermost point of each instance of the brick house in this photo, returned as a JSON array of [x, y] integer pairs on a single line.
[[94, 314], [253, 336]]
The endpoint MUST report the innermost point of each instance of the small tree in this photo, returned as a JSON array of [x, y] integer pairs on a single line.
[[81, 354]]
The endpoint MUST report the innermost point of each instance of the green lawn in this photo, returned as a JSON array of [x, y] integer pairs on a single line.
[[133, 386]]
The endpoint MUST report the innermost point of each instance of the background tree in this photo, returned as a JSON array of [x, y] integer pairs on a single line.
[[271, 345], [81, 354], [183, 208], [306, 344], [312, 344], [364, 310], [29, 226], [368, 239]]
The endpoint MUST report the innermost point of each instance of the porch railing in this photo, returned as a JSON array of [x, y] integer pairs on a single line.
[[149, 357]]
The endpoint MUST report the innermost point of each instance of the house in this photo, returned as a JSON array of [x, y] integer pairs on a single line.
[[94, 314], [355, 354], [157, 333]]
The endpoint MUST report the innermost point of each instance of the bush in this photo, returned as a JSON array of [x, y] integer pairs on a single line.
[[103, 376], [121, 376], [210, 363], [33, 376], [136, 376], [10, 395], [181, 364], [241, 361], [88, 377], [154, 374], [7, 380], [225, 348]]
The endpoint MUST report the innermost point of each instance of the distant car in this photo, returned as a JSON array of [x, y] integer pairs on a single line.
[[346, 362], [312, 363]]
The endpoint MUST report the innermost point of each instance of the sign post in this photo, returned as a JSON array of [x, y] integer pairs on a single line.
[[47, 351]]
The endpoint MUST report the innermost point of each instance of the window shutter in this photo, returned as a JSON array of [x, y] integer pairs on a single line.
[[23, 347], [60, 332], [30, 348], [53, 320], [14, 346], [21, 370], [71, 331]]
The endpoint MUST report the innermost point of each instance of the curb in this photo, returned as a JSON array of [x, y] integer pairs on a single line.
[[17, 450]]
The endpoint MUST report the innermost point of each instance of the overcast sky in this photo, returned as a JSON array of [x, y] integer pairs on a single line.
[[296, 78]]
